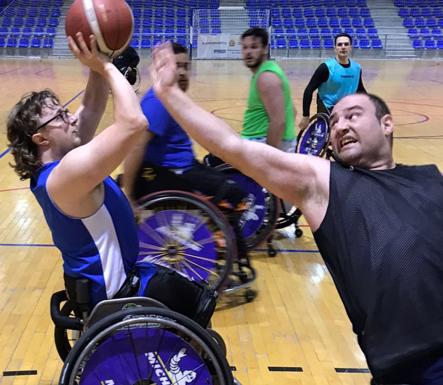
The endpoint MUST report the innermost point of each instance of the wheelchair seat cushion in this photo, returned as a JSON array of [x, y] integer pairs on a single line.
[[190, 298]]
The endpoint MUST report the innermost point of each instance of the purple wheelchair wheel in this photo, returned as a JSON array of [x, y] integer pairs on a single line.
[[314, 140], [142, 346], [188, 234]]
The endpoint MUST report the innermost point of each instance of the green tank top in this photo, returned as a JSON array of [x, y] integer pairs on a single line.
[[256, 121]]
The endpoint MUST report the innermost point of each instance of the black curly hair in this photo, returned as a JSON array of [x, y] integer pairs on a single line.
[[23, 121]]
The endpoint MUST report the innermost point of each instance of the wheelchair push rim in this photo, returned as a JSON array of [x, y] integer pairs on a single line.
[[146, 346], [181, 231], [314, 140]]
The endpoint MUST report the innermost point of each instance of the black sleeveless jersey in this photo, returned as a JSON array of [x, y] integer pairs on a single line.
[[381, 240]]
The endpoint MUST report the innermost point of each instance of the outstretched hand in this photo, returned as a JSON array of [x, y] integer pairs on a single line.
[[91, 58], [163, 68]]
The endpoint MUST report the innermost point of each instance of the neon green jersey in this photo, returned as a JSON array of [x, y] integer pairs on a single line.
[[256, 120]]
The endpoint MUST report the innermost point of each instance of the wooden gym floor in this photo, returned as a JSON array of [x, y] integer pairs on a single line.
[[296, 330]]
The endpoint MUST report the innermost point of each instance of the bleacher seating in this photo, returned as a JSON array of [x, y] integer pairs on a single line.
[[424, 21], [312, 24], [296, 24], [29, 23]]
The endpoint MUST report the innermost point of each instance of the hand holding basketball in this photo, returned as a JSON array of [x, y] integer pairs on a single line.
[[111, 21], [90, 57]]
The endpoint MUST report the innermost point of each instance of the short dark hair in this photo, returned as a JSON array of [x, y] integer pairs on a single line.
[[261, 33], [342, 34], [178, 48], [381, 108], [23, 121]]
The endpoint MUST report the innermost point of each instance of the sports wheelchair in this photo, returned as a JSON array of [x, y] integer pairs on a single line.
[[134, 340], [190, 234]]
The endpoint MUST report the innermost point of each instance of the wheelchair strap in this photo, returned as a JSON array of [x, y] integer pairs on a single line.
[[130, 286]]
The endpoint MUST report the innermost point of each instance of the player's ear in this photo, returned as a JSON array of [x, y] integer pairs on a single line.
[[387, 124], [39, 139]]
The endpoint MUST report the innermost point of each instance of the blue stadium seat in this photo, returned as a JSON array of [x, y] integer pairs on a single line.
[[412, 32], [23, 42], [430, 44], [417, 43], [305, 43], [11, 42], [328, 43], [48, 42], [293, 43], [316, 43], [368, 22], [376, 44], [364, 43]]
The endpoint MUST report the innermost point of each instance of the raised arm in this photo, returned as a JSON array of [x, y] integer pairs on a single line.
[[133, 162], [82, 169], [93, 106], [271, 93], [302, 180]]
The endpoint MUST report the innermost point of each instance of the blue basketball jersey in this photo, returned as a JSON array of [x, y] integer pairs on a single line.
[[171, 146], [342, 81], [102, 247]]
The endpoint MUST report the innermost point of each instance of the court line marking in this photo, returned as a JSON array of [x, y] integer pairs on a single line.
[[285, 369], [10, 373], [352, 370], [4, 152]]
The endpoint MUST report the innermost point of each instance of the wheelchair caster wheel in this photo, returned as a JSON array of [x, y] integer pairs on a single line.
[[250, 295], [243, 276], [298, 232], [271, 251]]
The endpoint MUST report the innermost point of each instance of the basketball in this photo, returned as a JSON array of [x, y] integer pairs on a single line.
[[111, 21]]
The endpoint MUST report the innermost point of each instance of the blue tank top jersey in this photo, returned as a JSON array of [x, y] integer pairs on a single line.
[[171, 146], [342, 81], [102, 247]]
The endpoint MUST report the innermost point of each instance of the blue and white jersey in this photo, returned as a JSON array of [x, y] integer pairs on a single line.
[[102, 247], [342, 81]]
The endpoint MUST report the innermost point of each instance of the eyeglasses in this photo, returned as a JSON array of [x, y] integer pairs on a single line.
[[63, 113]]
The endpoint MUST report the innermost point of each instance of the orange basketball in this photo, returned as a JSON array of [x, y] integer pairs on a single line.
[[111, 21]]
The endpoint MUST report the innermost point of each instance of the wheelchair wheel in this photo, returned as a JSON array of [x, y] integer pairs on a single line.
[[314, 140], [145, 346], [258, 222], [182, 231], [65, 338]]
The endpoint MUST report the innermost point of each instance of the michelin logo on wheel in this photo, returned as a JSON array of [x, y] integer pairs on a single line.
[[174, 375]]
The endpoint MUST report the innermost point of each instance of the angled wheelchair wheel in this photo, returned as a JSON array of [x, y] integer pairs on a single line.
[[184, 232], [146, 346], [258, 222], [314, 140]]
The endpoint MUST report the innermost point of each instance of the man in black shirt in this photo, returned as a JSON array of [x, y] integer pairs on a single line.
[[334, 79], [378, 225]]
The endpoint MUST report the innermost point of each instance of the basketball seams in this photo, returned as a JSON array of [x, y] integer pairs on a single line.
[[91, 17]]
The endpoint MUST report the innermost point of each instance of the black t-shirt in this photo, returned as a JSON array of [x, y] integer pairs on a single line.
[[382, 240]]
